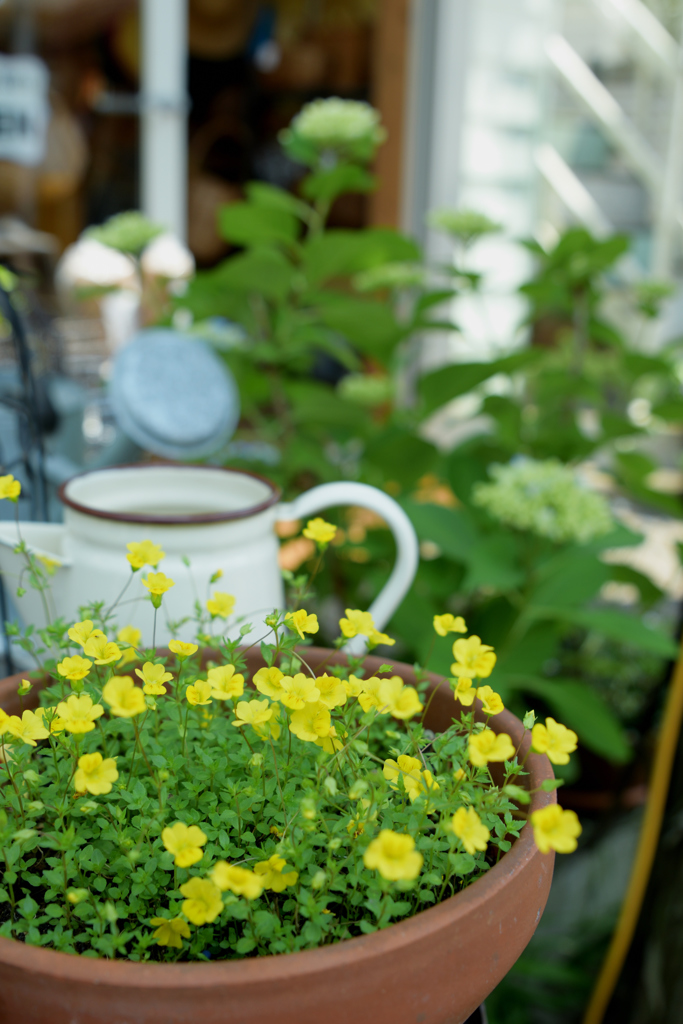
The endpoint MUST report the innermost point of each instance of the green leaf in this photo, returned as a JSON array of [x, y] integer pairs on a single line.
[[628, 629], [551, 784], [317, 404], [401, 456], [649, 592], [327, 185], [339, 253], [461, 863], [260, 193], [267, 653], [570, 578], [578, 706], [252, 224], [447, 383], [370, 326], [263, 271], [530, 652], [517, 793], [491, 559]]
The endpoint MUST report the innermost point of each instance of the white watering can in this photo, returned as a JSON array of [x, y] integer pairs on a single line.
[[217, 518]]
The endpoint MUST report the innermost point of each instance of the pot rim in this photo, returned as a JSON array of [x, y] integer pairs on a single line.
[[190, 519], [273, 968]]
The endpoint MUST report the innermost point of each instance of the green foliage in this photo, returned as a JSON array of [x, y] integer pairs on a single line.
[[103, 865], [305, 295], [128, 232]]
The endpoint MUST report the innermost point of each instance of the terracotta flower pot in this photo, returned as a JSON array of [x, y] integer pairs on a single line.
[[434, 968]]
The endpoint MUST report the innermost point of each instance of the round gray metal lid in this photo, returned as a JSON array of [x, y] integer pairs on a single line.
[[172, 395]]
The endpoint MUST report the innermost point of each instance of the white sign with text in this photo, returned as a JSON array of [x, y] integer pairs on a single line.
[[24, 109]]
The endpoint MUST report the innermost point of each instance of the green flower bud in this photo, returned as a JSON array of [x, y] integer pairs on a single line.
[[77, 896], [308, 808]]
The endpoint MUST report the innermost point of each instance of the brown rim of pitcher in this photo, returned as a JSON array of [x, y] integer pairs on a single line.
[[191, 519]]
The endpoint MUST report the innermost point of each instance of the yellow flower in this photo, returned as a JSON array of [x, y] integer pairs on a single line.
[[356, 623], [357, 825], [270, 728], [78, 713], [238, 880], [25, 686], [49, 564], [268, 682], [353, 686], [332, 691], [123, 697], [299, 690], [555, 740], [252, 712], [153, 678], [445, 624], [401, 701], [394, 856], [221, 605], [95, 774], [375, 638], [4, 719], [157, 583], [198, 693], [331, 743], [181, 649], [170, 932], [487, 746], [465, 692], [301, 622], [144, 553], [185, 843], [29, 728], [409, 769], [474, 660], [203, 902], [74, 668], [320, 531], [555, 829], [393, 770], [370, 697], [132, 636], [311, 723], [9, 488], [491, 701], [459, 774], [468, 827], [55, 724], [102, 650], [225, 682], [271, 874], [81, 632]]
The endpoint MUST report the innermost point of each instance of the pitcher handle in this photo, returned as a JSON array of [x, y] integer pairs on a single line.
[[403, 573]]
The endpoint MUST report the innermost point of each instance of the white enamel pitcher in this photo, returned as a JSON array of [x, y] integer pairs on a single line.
[[215, 518]]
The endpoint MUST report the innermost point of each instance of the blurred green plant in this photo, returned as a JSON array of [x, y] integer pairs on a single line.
[[128, 232], [327, 362]]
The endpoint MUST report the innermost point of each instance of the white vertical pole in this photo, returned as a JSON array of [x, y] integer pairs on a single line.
[[666, 224], [164, 113]]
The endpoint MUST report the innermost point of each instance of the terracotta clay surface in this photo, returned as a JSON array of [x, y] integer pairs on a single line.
[[434, 968]]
